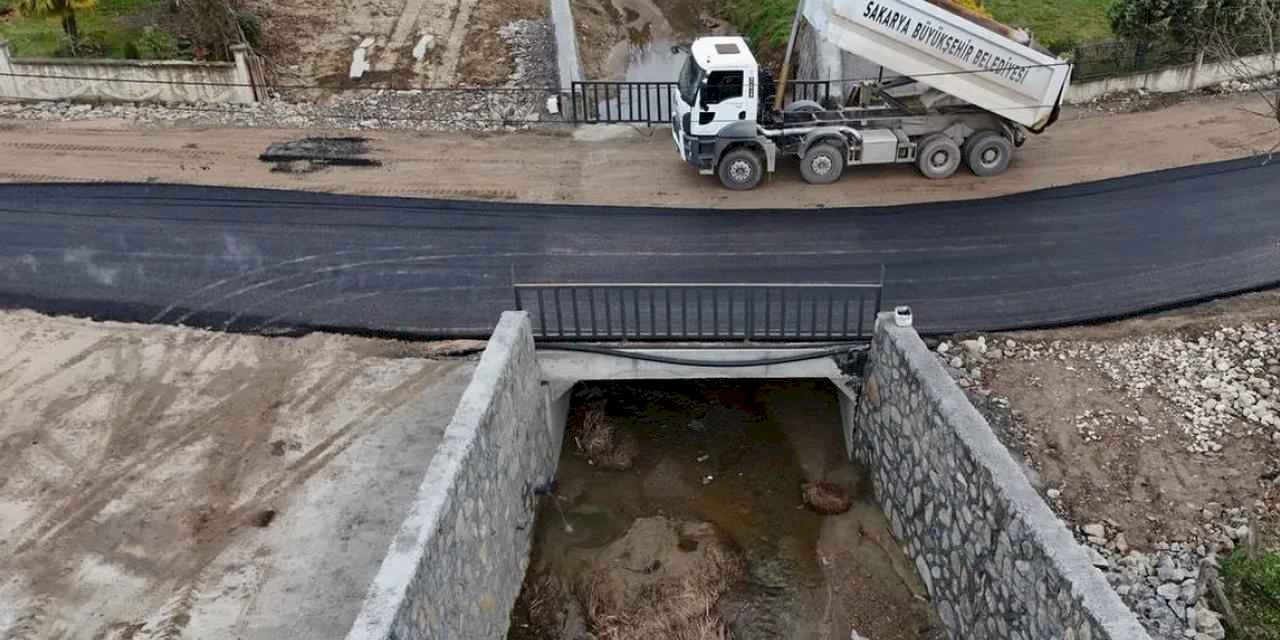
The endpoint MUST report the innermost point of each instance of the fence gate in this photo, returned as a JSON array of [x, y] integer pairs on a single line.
[[622, 102], [701, 312]]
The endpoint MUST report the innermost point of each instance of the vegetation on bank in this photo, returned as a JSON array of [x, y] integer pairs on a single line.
[[128, 29], [1253, 588], [1058, 24], [111, 30]]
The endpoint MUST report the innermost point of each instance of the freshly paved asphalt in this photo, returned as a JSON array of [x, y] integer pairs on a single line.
[[264, 260]]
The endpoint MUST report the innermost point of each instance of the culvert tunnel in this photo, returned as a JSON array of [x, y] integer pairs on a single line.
[[944, 534]]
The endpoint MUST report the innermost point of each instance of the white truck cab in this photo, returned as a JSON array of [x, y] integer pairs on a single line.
[[981, 91]]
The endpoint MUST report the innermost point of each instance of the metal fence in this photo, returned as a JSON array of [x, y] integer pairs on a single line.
[[701, 312], [622, 102], [1113, 58], [650, 102]]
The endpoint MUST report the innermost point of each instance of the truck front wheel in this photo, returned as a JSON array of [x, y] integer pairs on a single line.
[[938, 157], [741, 169], [822, 164], [988, 153]]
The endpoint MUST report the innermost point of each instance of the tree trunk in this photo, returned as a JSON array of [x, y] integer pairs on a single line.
[[71, 28]]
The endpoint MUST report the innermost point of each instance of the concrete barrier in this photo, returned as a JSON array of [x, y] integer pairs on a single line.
[[1187, 77], [996, 561], [125, 80], [456, 566]]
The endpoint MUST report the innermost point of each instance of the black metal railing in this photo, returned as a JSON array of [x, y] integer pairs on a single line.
[[1097, 60], [701, 312], [621, 102], [820, 91]]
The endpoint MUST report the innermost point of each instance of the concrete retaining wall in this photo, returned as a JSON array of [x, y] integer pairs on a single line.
[[1187, 77], [456, 566], [997, 562], [124, 80]]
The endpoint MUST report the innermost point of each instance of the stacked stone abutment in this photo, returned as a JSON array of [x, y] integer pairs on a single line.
[[997, 562], [455, 568]]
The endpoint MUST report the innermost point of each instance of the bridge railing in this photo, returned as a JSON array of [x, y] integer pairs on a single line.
[[701, 312]]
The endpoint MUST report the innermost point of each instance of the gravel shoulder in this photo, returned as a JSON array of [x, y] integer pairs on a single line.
[[162, 482], [1157, 437], [550, 166]]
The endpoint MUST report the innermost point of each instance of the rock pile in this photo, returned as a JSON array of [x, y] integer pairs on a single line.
[[1241, 86], [418, 109], [1169, 588], [1226, 382]]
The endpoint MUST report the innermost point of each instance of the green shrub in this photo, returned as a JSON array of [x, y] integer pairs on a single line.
[[155, 44], [251, 25], [90, 45], [1253, 587], [1062, 45]]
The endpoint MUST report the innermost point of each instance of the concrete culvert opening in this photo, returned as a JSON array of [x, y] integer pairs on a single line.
[[714, 509]]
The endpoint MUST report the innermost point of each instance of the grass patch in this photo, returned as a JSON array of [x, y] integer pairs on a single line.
[[107, 31], [766, 24], [1253, 587], [1057, 24]]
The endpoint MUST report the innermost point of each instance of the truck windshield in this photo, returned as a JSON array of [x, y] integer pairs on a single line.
[[690, 78]]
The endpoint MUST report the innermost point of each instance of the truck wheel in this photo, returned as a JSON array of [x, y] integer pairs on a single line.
[[988, 153], [741, 169], [802, 106], [938, 157], [822, 164]]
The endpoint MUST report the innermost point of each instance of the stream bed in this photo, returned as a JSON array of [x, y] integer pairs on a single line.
[[679, 511]]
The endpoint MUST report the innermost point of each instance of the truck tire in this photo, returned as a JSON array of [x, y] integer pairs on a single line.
[[988, 153], [823, 163], [938, 157], [803, 106], [741, 169]]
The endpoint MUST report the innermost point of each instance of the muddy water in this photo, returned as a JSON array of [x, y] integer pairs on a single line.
[[633, 39], [733, 455]]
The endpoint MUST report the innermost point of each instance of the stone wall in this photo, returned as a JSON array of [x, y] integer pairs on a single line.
[[997, 562], [455, 568], [125, 80]]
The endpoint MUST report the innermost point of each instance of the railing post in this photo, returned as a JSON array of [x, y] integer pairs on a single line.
[[573, 102]]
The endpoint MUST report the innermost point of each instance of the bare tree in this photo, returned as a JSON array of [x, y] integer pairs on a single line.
[[1252, 58]]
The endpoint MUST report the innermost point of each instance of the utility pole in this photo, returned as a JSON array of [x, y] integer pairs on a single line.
[[785, 76]]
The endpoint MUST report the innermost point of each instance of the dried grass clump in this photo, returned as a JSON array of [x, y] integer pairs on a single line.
[[601, 442], [825, 498], [681, 609]]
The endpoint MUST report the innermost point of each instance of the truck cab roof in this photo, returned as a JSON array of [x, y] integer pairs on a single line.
[[723, 52]]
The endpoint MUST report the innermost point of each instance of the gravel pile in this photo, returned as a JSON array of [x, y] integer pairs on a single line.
[[520, 104], [533, 43], [1169, 588], [1224, 382]]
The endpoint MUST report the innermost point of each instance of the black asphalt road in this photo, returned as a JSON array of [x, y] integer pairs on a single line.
[[263, 260]]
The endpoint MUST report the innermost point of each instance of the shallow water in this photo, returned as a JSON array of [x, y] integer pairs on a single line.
[[735, 455]]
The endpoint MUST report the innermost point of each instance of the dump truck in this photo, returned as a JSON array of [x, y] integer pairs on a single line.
[[962, 90]]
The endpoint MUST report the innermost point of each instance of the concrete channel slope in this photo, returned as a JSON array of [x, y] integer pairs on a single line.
[[254, 260]]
